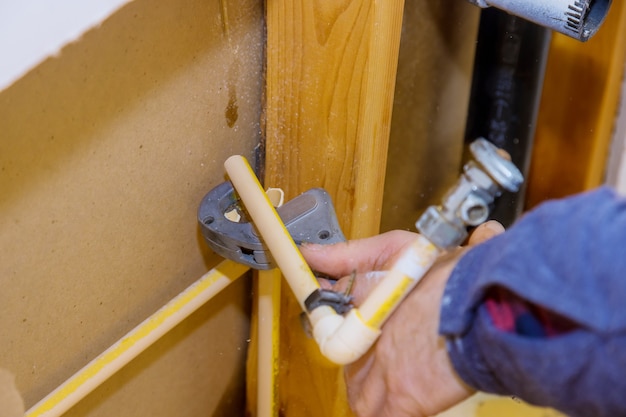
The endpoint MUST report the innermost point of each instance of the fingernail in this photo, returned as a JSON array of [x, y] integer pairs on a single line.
[[311, 246], [494, 226]]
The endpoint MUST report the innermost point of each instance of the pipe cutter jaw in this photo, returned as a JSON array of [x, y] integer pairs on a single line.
[[310, 218]]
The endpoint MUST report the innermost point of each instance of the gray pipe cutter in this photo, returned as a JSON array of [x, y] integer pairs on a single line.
[[310, 217]]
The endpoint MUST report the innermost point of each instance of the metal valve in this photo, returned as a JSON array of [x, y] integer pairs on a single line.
[[469, 202]]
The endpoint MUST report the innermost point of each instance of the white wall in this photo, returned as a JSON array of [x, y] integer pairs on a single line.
[[32, 30]]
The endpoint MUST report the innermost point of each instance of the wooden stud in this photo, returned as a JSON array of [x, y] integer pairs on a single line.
[[331, 68], [578, 110]]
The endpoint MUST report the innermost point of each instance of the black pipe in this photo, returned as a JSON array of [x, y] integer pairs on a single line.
[[509, 68]]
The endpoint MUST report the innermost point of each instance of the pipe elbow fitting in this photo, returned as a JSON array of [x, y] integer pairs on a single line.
[[343, 340]]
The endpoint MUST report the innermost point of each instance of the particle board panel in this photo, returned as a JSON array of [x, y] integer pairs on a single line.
[[11, 402], [106, 151]]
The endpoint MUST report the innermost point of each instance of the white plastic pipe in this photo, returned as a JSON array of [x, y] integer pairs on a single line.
[[404, 275], [136, 341], [344, 340], [341, 339], [268, 330], [269, 340]]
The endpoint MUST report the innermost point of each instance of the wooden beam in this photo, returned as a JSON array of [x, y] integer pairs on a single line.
[[330, 83], [578, 110], [331, 68]]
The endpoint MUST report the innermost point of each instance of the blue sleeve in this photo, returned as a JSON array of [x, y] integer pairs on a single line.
[[568, 257]]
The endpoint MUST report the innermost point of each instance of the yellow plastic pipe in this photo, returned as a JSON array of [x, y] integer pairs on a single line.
[[272, 229], [269, 341], [136, 341], [341, 339], [404, 275]]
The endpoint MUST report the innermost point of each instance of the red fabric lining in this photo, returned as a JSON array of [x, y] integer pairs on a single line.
[[507, 311]]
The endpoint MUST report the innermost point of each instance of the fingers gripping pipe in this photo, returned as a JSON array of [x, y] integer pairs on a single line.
[[344, 339]]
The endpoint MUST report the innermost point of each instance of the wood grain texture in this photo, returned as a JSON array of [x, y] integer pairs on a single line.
[[577, 111], [330, 83], [331, 68]]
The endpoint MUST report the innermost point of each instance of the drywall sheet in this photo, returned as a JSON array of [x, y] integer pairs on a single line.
[[105, 153]]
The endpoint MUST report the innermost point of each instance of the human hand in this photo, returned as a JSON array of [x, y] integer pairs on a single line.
[[407, 373]]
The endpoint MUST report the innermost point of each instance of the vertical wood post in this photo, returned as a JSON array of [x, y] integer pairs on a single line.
[[331, 68], [577, 112]]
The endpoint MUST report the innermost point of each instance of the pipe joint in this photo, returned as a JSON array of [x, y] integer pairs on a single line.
[[342, 339]]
